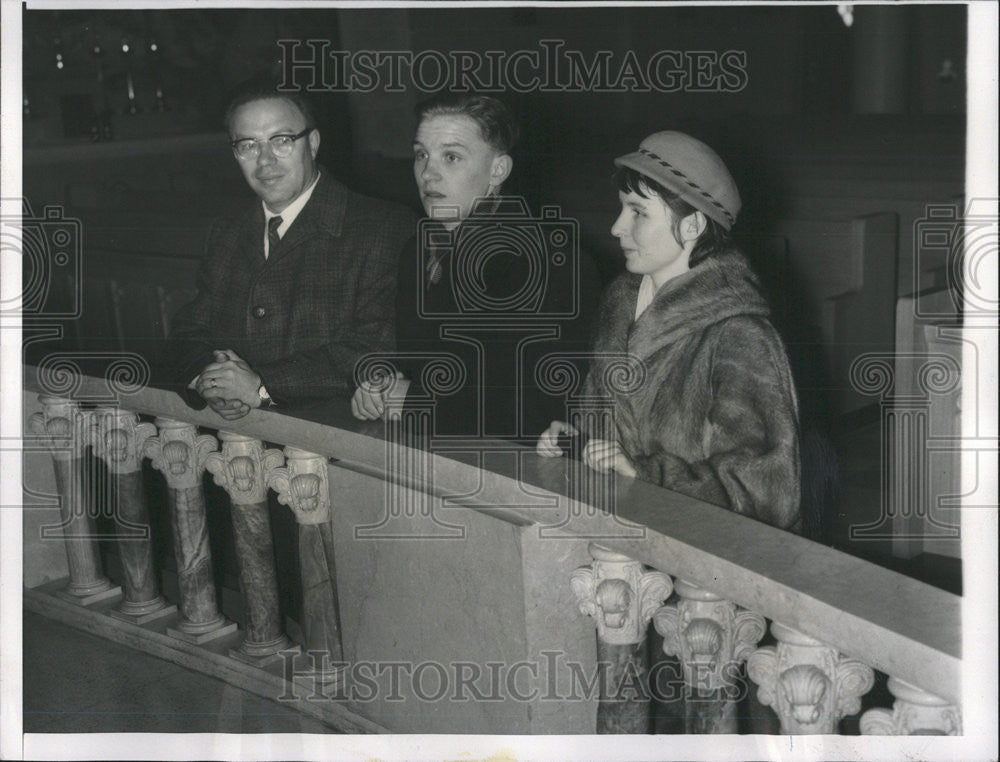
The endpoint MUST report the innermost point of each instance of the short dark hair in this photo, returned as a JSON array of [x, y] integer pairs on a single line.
[[714, 239], [496, 123], [261, 90]]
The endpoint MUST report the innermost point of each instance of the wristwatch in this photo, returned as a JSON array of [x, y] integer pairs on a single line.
[[265, 398]]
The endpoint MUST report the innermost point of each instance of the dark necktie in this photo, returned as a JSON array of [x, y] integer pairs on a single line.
[[272, 234], [434, 270]]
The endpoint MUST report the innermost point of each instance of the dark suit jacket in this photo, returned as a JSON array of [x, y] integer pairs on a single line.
[[499, 349], [302, 317]]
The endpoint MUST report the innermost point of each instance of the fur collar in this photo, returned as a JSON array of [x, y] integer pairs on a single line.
[[720, 288]]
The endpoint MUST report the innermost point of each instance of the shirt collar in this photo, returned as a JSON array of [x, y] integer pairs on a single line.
[[646, 294], [290, 212]]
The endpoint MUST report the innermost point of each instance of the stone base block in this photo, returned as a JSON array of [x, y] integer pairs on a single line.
[[329, 683], [90, 599], [200, 638], [146, 617], [262, 654]]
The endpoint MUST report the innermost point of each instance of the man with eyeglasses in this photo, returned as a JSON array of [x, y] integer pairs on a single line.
[[293, 291]]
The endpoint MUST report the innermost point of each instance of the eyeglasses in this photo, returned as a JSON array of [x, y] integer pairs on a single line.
[[281, 145]]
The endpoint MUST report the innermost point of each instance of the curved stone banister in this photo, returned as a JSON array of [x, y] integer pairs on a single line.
[[903, 627]]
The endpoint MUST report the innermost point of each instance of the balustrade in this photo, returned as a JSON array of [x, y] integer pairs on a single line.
[[64, 429], [621, 597], [711, 624], [180, 453], [809, 684], [712, 637], [119, 440], [915, 712], [303, 485], [242, 468]]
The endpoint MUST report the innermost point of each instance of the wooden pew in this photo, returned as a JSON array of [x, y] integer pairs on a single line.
[[846, 273]]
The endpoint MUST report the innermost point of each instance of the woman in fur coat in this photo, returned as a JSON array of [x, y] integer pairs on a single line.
[[716, 415]]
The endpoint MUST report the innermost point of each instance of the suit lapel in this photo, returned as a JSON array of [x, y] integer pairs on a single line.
[[248, 236], [323, 212]]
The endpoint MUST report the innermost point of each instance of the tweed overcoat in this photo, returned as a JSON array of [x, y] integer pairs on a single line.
[[305, 315], [716, 415]]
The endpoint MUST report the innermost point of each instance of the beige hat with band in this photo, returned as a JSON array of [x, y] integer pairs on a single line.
[[690, 169]]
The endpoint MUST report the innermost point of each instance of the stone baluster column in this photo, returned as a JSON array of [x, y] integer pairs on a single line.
[[914, 713], [303, 485], [242, 468], [621, 597], [809, 684], [712, 637], [64, 429], [119, 440], [179, 453]]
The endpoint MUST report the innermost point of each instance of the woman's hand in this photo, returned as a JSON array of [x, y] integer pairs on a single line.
[[382, 399], [603, 455], [548, 443]]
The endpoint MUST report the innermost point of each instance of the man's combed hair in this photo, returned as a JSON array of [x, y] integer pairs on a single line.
[[259, 90], [713, 240], [494, 118]]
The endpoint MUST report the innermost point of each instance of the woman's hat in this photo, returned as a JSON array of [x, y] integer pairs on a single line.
[[690, 169]]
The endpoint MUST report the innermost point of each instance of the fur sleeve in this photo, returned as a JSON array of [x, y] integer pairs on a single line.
[[750, 435]]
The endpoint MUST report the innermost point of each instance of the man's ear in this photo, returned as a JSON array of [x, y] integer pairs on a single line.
[[501, 169], [314, 142], [693, 226]]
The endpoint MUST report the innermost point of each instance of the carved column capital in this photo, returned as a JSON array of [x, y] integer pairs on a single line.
[[619, 595], [711, 636], [179, 452], [810, 685], [242, 467], [62, 426], [119, 439], [303, 485], [914, 713]]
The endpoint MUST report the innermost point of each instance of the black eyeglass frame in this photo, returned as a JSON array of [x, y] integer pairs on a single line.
[[258, 141]]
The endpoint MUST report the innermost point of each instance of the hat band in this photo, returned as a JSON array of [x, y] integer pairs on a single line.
[[690, 183]]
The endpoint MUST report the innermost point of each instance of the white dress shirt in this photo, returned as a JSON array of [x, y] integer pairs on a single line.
[[288, 214]]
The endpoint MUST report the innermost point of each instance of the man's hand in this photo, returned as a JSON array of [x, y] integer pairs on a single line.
[[382, 398], [602, 455], [229, 409], [548, 442], [229, 379]]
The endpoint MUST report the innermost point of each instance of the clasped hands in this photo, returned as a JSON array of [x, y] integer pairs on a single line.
[[599, 454], [229, 385]]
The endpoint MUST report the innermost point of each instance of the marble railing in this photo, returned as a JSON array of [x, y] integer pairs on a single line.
[[459, 591]]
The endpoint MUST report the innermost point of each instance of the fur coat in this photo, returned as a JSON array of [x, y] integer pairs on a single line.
[[715, 416]]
